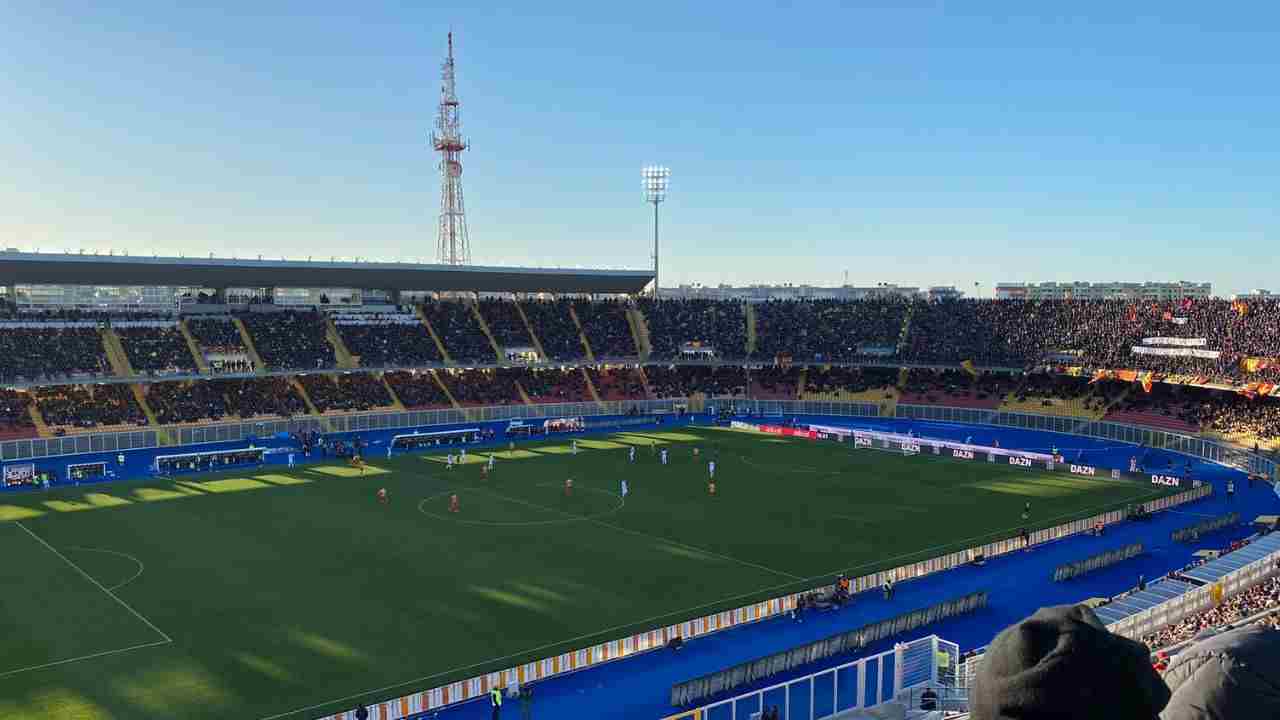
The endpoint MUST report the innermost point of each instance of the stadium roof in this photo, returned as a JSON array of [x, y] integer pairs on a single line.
[[23, 268]]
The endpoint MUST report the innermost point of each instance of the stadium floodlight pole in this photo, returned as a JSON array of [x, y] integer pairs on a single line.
[[656, 178]]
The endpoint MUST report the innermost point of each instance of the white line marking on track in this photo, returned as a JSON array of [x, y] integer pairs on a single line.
[[141, 568], [97, 584]]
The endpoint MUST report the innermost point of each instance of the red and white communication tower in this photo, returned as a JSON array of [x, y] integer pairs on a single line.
[[454, 247]]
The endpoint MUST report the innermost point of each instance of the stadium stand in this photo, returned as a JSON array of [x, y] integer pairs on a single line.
[[1262, 598], [617, 383], [607, 330], [290, 340], [455, 324], [345, 392], [156, 349], [187, 402], [506, 323], [66, 407], [216, 334], [50, 352], [954, 388], [829, 330], [684, 380], [773, 382], [387, 340], [715, 325], [851, 384], [257, 397], [15, 415], [476, 387], [417, 390], [555, 328]]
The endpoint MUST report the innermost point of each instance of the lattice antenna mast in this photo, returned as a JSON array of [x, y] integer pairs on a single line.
[[454, 247]]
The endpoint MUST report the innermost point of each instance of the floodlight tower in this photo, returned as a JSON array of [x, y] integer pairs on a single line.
[[454, 247], [656, 178]]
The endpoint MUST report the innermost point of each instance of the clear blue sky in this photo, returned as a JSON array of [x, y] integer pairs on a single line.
[[943, 142]]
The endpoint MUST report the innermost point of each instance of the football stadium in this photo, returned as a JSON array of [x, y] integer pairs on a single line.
[[353, 490]]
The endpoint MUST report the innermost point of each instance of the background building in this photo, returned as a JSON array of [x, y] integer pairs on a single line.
[[1154, 291]]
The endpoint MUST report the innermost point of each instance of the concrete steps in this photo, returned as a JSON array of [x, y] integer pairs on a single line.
[[196, 353], [444, 353], [752, 336], [341, 354], [448, 393], [116, 355], [250, 349], [537, 341], [140, 395], [804, 377], [395, 399], [306, 397], [37, 419], [644, 379], [582, 336], [484, 327], [523, 395], [640, 332], [591, 387]]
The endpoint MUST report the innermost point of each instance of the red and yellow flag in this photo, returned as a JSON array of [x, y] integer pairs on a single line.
[[1146, 381]]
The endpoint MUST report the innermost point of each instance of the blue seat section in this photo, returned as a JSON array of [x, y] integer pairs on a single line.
[[1215, 570], [1156, 593]]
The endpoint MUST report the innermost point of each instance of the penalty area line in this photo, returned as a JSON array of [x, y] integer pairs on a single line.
[[68, 661], [96, 584]]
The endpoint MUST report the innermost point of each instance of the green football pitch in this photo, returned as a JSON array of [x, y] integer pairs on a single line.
[[293, 594]]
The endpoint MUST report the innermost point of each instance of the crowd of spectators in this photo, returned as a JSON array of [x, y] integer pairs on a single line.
[[673, 381], [829, 330], [505, 323], [216, 334], [1257, 599], [186, 402], [15, 413], [555, 328], [838, 379], [345, 392], [417, 390], [480, 387], [720, 325], [775, 382], [607, 329], [253, 397], [88, 406], [50, 353], [290, 340], [454, 322], [157, 350], [617, 383], [397, 341]]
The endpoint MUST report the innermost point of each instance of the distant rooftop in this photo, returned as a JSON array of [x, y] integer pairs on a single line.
[[27, 268]]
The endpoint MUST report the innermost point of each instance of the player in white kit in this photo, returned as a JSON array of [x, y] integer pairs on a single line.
[[625, 489], [491, 462], [664, 456], [631, 454], [711, 469]]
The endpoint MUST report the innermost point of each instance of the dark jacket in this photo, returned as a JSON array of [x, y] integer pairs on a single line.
[[1233, 675]]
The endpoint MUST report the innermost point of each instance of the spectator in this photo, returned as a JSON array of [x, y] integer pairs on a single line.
[[1063, 663], [290, 340], [395, 340], [455, 324], [156, 349], [1233, 675], [607, 329], [555, 328]]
